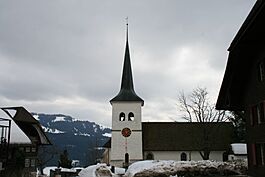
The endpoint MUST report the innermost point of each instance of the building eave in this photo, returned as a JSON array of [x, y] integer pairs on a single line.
[[242, 53]]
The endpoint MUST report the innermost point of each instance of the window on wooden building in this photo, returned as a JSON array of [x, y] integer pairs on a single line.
[[252, 159], [261, 118], [27, 163], [260, 154], [32, 162], [27, 149], [257, 114], [33, 149], [261, 71]]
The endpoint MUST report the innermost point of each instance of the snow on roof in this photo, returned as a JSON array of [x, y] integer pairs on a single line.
[[17, 135], [239, 148], [46, 170], [36, 116]]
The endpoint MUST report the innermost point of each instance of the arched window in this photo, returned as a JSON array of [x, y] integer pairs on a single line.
[[122, 116], [131, 116], [150, 156], [183, 156], [126, 158]]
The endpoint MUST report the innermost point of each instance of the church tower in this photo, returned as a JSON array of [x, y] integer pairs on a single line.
[[126, 141]]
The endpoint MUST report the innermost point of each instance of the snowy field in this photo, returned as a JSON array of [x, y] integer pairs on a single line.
[[157, 168]]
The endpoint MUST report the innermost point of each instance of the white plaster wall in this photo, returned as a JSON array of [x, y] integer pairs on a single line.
[[134, 146], [166, 155], [191, 155], [126, 107], [134, 141], [216, 155], [117, 163]]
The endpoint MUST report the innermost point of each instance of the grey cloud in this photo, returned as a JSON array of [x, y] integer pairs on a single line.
[[52, 50]]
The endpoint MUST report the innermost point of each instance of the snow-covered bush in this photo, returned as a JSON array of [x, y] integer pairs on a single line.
[[188, 168], [98, 170], [156, 168]]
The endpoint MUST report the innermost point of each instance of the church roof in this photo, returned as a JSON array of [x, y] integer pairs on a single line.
[[186, 136], [127, 92]]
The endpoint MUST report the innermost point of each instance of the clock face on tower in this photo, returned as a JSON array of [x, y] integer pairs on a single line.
[[126, 132]]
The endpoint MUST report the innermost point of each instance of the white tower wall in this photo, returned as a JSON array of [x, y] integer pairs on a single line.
[[121, 145]]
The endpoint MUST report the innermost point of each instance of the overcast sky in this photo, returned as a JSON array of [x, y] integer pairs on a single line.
[[66, 56]]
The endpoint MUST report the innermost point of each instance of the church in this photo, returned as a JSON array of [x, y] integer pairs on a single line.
[[133, 140]]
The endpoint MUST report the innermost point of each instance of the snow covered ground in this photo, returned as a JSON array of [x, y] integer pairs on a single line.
[[169, 169], [100, 170]]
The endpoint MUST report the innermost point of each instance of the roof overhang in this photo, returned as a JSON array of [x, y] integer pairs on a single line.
[[28, 124], [243, 52]]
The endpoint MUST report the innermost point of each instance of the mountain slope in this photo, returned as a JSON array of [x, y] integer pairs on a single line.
[[82, 139]]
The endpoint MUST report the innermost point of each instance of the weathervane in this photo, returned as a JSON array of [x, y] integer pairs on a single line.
[[127, 28]]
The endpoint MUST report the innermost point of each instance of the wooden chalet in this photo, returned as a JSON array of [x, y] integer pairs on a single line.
[[243, 86]]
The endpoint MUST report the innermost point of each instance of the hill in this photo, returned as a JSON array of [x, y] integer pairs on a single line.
[[82, 139]]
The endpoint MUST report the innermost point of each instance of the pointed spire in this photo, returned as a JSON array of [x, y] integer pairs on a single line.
[[127, 80], [127, 92]]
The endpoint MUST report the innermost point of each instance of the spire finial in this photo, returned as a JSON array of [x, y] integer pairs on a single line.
[[127, 28]]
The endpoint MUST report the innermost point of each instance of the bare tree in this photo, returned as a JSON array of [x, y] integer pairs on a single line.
[[198, 108]]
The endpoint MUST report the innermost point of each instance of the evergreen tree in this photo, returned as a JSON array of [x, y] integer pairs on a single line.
[[64, 161], [239, 122]]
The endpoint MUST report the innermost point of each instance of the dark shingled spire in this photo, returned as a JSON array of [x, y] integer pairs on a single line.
[[127, 92]]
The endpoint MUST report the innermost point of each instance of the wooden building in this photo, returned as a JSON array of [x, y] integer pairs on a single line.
[[21, 158], [243, 86]]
